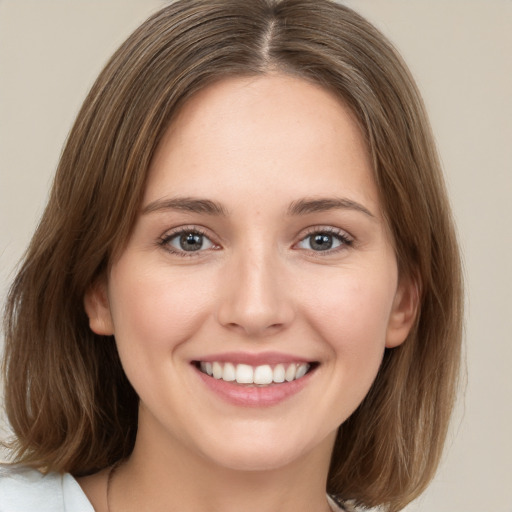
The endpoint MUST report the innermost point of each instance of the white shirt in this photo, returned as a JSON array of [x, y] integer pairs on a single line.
[[27, 490]]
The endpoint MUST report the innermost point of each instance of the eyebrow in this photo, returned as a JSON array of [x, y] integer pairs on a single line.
[[188, 204], [306, 206], [300, 207]]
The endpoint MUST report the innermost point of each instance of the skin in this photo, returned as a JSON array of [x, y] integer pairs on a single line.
[[255, 146]]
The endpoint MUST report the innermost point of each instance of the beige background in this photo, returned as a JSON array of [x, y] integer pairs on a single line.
[[459, 50]]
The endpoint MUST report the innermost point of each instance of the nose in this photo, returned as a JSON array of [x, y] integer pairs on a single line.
[[255, 298]]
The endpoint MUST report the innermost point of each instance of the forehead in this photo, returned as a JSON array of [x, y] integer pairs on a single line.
[[268, 133]]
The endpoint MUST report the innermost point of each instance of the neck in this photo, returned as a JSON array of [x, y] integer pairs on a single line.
[[169, 477]]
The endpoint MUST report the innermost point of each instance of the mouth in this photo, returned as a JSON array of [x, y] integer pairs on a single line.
[[255, 376]]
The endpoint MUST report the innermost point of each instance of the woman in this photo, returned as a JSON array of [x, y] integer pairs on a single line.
[[245, 279]]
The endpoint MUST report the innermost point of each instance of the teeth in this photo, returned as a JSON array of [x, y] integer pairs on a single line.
[[290, 373], [229, 373], [217, 370], [301, 371], [262, 375], [206, 368], [244, 374], [279, 373]]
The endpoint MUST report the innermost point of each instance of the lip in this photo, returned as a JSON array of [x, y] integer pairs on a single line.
[[253, 396], [253, 359]]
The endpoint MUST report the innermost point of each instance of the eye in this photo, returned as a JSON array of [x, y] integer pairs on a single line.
[[325, 240], [186, 241]]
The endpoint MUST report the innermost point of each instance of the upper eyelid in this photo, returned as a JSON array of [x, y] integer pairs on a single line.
[[325, 229], [172, 232]]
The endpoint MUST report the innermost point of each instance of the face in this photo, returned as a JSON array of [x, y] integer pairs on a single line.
[[254, 300]]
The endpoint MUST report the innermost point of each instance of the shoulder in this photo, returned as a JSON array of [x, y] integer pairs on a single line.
[[25, 490]]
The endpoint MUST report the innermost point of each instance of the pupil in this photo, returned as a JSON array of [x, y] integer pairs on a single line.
[[321, 242], [191, 242]]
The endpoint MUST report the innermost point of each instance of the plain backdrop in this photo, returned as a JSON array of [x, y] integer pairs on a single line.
[[460, 53]]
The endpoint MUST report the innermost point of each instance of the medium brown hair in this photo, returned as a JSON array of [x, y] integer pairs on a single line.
[[67, 398]]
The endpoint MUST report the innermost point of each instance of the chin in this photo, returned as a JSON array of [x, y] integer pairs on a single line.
[[249, 460], [260, 453]]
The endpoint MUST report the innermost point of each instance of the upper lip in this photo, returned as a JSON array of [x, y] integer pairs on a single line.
[[253, 359]]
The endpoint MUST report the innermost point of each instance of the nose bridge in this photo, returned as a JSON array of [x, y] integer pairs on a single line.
[[256, 299]]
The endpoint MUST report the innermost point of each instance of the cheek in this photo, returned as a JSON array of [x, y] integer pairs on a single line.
[[155, 311], [352, 315]]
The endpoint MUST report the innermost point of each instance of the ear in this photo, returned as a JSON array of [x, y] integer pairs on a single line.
[[403, 313], [97, 308]]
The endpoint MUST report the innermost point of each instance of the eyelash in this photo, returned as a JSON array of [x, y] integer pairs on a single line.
[[342, 236], [192, 230], [344, 239]]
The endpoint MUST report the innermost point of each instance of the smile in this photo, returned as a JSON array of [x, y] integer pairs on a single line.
[[261, 375]]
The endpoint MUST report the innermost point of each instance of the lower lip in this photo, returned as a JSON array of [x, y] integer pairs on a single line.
[[254, 396]]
